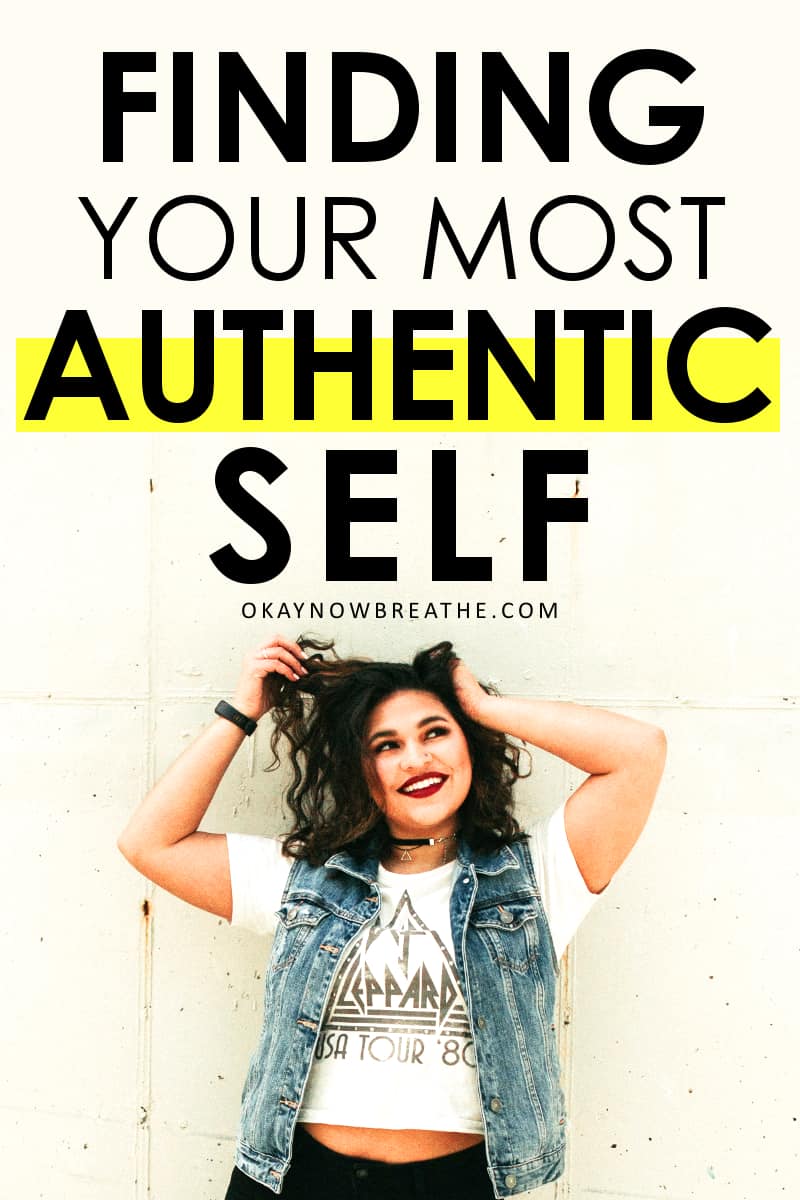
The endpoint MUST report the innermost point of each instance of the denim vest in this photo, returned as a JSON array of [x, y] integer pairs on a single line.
[[508, 974]]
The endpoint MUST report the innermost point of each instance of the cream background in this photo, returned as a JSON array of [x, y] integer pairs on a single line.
[[124, 1041]]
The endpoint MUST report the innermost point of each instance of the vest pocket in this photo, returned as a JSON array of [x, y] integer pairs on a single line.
[[295, 921], [510, 933]]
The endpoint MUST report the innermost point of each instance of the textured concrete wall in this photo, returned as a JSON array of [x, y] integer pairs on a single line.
[[129, 1018]]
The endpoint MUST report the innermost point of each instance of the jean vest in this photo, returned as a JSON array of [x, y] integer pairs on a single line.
[[508, 973]]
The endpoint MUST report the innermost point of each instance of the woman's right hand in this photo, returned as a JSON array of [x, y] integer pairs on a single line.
[[162, 838], [256, 689]]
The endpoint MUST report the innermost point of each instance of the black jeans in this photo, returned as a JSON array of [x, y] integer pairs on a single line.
[[318, 1173]]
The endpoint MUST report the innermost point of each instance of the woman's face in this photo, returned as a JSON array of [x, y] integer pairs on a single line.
[[416, 764]]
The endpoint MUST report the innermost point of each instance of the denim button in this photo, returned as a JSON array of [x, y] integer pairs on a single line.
[[481, 1022], [511, 1181], [505, 917], [495, 1104]]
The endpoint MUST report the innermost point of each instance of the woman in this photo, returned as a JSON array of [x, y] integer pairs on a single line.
[[408, 1046]]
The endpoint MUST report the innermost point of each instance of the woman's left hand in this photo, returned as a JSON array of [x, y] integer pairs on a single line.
[[471, 696]]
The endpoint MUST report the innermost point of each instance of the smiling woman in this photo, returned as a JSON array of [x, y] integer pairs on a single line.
[[357, 731], [417, 767], [408, 1046]]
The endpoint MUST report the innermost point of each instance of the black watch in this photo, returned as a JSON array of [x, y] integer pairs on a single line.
[[246, 724]]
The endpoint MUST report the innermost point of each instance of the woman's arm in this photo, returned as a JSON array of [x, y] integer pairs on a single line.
[[162, 839], [623, 758]]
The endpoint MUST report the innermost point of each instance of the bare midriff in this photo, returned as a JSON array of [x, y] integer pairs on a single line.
[[390, 1145]]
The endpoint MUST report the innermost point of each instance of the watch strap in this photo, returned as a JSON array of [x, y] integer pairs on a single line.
[[246, 724]]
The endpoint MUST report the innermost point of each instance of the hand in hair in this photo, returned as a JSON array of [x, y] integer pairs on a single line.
[[262, 673], [474, 701]]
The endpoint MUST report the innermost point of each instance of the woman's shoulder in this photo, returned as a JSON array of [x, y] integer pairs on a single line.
[[257, 848], [259, 870], [565, 896]]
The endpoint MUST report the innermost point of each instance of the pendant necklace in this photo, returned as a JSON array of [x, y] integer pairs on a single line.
[[406, 845]]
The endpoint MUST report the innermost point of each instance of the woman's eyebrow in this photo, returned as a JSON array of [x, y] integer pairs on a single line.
[[383, 733]]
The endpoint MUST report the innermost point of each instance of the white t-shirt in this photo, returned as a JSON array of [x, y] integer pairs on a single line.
[[395, 1049]]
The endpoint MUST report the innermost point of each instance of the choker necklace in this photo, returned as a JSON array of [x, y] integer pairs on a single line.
[[408, 844]]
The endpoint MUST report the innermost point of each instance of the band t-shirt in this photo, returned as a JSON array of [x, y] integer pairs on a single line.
[[395, 1049]]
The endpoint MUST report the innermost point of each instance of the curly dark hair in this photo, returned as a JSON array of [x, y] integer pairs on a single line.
[[323, 716]]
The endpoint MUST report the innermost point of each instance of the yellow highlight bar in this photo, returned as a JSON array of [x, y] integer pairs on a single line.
[[723, 369]]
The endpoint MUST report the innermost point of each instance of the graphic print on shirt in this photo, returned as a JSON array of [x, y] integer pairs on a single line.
[[397, 998]]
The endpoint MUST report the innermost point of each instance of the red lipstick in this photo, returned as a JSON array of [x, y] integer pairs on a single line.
[[437, 780]]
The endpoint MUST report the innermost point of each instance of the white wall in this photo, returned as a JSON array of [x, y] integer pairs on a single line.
[[128, 1036]]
